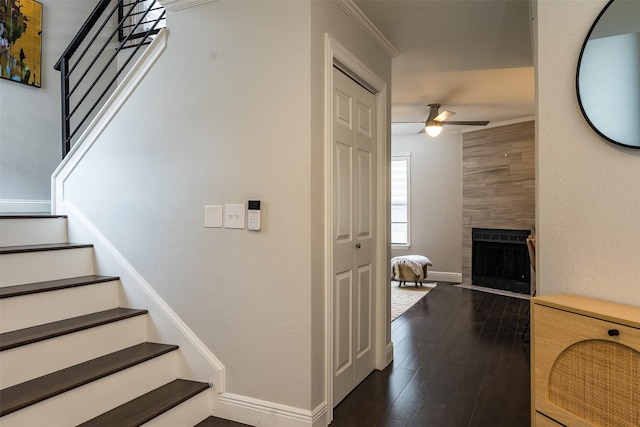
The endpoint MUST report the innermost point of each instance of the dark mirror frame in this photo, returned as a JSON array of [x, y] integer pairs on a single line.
[[584, 113]]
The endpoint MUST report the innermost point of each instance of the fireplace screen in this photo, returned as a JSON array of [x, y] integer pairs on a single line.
[[500, 259]]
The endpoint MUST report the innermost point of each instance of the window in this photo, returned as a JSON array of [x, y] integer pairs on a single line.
[[400, 199]]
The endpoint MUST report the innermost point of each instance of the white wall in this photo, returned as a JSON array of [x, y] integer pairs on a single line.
[[222, 118], [436, 196], [588, 191], [232, 111], [30, 141]]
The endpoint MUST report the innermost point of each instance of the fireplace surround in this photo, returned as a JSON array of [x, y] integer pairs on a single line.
[[500, 259], [498, 183]]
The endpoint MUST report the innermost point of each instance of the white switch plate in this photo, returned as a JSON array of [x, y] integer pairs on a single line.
[[213, 216], [234, 216]]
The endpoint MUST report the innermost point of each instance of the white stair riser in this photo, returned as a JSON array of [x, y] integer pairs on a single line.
[[29, 267], [86, 402], [32, 231], [45, 307], [188, 413], [31, 361]]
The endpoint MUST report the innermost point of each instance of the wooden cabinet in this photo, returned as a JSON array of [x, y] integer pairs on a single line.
[[585, 362], [542, 421]]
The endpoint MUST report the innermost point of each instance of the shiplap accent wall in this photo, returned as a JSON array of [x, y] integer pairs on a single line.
[[498, 182]]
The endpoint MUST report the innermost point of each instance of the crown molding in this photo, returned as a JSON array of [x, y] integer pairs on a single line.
[[174, 5], [369, 28], [503, 123]]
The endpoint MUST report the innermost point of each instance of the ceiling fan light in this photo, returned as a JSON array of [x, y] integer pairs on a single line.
[[433, 128]]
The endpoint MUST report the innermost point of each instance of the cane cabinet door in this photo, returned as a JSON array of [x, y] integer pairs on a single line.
[[586, 367]]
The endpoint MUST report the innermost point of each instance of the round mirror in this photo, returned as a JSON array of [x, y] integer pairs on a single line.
[[608, 77]]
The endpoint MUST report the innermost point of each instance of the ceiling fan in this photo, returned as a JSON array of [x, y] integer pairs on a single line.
[[435, 121]]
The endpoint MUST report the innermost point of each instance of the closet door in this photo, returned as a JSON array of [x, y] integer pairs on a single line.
[[354, 197]]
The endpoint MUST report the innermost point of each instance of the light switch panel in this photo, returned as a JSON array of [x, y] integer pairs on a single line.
[[234, 216], [213, 216]]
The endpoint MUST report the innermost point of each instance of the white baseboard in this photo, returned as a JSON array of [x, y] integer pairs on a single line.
[[389, 354], [258, 412], [9, 206], [494, 291], [444, 276]]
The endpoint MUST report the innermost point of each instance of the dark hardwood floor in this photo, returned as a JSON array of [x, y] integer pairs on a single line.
[[459, 360]]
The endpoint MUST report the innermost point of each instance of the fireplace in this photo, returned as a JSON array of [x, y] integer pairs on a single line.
[[500, 259]]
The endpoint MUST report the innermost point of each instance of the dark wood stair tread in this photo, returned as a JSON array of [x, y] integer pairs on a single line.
[[53, 285], [148, 406], [55, 329], [4, 250], [28, 215], [30, 392], [219, 422]]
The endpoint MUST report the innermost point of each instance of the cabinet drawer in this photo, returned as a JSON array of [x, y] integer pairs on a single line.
[[586, 369], [542, 421]]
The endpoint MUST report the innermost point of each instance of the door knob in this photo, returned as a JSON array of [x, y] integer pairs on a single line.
[[358, 246]]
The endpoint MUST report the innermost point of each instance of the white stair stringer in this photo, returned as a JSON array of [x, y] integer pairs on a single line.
[[31, 361], [31, 267], [32, 231], [83, 403], [198, 362], [44, 307]]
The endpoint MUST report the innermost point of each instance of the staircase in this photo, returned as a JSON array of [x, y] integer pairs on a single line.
[[69, 355]]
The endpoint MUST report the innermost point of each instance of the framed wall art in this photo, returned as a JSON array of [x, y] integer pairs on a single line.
[[21, 41]]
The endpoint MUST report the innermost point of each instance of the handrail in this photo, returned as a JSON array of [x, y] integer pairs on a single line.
[[82, 33], [88, 77]]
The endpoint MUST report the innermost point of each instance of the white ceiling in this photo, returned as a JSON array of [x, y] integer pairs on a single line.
[[472, 56]]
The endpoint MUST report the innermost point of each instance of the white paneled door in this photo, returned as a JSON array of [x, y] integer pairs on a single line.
[[354, 198]]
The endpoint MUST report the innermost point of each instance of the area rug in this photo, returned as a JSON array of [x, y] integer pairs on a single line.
[[403, 298]]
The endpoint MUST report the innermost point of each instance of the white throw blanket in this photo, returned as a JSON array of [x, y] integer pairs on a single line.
[[415, 262]]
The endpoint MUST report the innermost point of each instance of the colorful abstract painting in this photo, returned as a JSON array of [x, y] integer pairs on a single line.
[[20, 41]]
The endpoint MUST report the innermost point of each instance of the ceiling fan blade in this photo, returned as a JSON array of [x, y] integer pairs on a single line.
[[467, 123], [443, 116], [422, 130]]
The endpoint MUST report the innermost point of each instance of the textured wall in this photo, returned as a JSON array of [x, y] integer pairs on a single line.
[[498, 182], [588, 191], [30, 141], [203, 128]]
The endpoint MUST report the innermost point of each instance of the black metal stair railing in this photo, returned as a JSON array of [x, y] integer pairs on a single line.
[[102, 52]]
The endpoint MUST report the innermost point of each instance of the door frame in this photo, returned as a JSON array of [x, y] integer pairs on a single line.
[[336, 54]]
